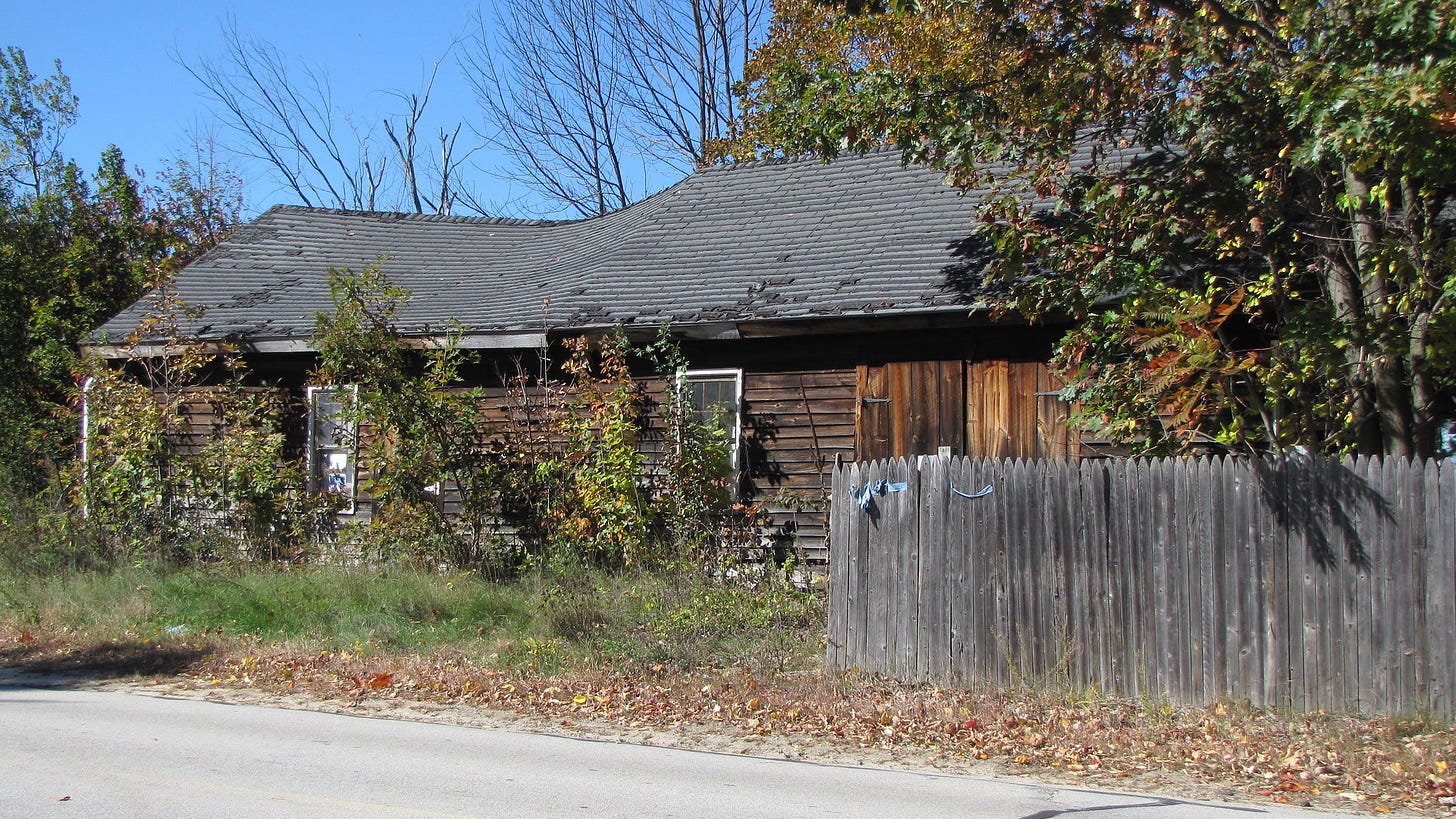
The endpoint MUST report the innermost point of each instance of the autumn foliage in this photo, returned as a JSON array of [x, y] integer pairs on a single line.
[[1254, 223]]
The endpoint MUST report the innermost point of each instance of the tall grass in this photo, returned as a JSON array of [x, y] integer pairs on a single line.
[[543, 621]]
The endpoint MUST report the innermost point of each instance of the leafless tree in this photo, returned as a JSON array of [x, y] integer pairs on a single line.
[[587, 98], [446, 189], [283, 114], [682, 61], [545, 78]]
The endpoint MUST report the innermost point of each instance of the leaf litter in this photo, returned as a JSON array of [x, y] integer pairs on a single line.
[[1226, 751]]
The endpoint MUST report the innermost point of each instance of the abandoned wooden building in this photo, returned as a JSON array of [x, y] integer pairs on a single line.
[[833, 308]]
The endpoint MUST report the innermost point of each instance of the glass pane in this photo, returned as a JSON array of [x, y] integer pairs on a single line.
[[715, 405], [338, 477], [715, 402], [330, 429], [331, 460]]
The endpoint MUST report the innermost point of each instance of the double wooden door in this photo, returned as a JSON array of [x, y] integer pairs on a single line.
[[996, 408]]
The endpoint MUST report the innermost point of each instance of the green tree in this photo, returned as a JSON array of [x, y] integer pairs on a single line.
[[34, 116], [421, 430], [1259, 249], [69, 258], [73, 252]]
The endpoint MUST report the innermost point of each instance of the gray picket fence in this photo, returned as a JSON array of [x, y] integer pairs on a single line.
[[1293, 581]]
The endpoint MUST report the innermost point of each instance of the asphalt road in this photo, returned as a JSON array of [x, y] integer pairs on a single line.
[[83, 753]]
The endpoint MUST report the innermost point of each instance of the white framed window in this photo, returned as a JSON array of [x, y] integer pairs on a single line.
[[333, 443], [717, 400]]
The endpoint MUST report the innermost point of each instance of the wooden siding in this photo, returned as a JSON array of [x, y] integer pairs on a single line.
[[977, 390], [795, 424]]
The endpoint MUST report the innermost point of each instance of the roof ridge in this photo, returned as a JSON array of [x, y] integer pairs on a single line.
[[401, 216], [772, 161], [743, 165]]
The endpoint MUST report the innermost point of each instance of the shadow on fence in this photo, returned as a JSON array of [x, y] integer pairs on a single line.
[[1294, 581], [1315, 497]]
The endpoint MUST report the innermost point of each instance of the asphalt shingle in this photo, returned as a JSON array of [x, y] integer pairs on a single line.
[[770, 240]]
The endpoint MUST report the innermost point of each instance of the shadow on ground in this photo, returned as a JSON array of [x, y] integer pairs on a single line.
[[41, 663]]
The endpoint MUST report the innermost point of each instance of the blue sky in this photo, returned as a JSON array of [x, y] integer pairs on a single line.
[[122, 61]]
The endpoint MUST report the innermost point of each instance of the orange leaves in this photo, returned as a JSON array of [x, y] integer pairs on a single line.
[[1288, 784]]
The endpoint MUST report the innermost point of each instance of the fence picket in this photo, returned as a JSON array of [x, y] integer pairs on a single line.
[[864, 571], [934, 566], [839, 551], [1338, 587], [1208, 569], [962, 595], [1441, 594], [1368, 516], [1302, 631], [1130, 569], [1406, 583], [900, 652], [1382, 631]]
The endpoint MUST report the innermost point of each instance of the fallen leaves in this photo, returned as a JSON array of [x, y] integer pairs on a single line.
[[1377, 764]]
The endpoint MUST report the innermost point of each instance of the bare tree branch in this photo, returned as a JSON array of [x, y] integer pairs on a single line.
[[284, 114], [585, 96]]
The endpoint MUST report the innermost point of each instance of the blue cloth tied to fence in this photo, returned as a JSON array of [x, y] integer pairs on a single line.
[[866, 493]]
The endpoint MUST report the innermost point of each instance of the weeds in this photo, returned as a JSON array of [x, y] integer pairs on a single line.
[[541, 621]]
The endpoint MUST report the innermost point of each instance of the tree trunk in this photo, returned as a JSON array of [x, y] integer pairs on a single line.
[[1340, 284], [1392, 400]]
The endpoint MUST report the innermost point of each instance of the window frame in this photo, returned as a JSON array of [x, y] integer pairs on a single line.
[[685, 378], [316, 448]]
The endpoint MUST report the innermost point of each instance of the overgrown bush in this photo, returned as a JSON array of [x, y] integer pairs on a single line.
[[151, 485], [189, 459], [693, 489], [42, 532], [561, 479], [603, 518], [437, 481]]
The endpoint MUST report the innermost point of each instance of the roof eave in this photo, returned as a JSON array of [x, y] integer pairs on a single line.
[[466, 341]]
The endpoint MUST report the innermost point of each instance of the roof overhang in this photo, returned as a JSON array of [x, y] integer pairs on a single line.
[[466, 341], [886, 321]]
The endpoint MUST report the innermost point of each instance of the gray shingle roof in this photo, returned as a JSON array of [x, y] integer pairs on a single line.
[[760, 241]]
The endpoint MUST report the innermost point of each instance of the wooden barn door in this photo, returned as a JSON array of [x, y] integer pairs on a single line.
[[1012, 411], [910, 408]]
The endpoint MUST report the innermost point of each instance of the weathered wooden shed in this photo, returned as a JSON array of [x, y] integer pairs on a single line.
[[836, 307]]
